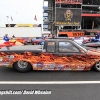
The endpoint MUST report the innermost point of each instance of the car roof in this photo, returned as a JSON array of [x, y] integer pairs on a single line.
[[59, 39]]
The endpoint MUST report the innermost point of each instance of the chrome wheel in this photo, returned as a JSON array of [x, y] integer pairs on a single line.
[[22, 64], [97, 65]]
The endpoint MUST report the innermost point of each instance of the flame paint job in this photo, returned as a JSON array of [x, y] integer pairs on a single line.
[[49, 61]]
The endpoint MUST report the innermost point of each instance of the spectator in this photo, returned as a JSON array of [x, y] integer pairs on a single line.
[[13, 36], [49, 35], [53, 36], [97, 36], [6, 38]]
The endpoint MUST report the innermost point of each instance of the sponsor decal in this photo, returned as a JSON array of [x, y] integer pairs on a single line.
[[5, 60], [52, 65], [67, 67], [39, 64], [60, 67], [46, 66], [10, 56], [49, 69], [34, 66], [6, 63], [80, 67]]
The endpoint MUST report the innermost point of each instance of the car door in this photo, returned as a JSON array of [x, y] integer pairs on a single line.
[[48, 55], [70, 56]]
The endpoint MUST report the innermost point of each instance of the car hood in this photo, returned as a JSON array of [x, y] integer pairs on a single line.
[[94, 53]]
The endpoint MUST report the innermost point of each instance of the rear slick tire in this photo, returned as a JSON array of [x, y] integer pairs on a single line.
[[22, 66]]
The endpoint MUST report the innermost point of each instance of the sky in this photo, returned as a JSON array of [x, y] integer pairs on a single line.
[[22, 11]]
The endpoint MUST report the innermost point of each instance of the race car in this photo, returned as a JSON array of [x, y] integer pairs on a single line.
[[80, 40], [92, 42], [39, 41], [9, 43], [21, 40]]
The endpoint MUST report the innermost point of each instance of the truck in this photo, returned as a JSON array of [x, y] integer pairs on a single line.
[[56, 54]]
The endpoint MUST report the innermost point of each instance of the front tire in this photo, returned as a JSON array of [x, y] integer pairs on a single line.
[[22, 66], [97, 66]]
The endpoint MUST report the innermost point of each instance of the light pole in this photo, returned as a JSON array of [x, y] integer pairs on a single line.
[[7, 20]]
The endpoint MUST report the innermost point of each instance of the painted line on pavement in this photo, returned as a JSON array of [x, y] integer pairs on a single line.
[[49, 82]]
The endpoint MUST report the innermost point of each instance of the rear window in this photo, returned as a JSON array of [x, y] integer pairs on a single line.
[[51, 46]]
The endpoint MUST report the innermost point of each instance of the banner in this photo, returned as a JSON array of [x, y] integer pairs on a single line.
[[69, 1], [68, 17], [23, 25]]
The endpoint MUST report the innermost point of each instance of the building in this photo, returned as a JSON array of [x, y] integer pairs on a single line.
[[45, 17], [71, 15]]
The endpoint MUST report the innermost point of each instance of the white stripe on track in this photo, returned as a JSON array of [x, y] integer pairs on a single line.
[[49, 82]]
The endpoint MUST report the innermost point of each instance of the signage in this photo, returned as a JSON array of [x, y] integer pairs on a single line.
[[23, 25], [69, 1], [73, 34], [68, 17]]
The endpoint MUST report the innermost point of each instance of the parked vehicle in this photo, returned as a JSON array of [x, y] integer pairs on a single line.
[[38, 41], [92, 42], [9, 43]]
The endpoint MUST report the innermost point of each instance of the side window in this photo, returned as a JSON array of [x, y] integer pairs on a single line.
[[67, 47], [51, 46]]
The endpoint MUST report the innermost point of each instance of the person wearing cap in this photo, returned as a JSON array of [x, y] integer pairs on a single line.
[[6, 38]]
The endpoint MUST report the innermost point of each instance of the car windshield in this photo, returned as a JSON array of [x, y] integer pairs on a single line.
[[80, 46]]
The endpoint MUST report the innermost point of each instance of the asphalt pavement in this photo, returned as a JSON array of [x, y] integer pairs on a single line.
[[53, 92], [8, 74]]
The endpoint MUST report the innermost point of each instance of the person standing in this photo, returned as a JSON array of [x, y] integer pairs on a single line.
[[6, 38], [53, 36]]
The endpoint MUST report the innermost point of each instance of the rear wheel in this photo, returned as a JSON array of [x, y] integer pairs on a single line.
[[22, 66], [97, 66]]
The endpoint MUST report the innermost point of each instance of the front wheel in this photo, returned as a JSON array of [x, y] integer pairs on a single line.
[[97, 66], [22, 66]]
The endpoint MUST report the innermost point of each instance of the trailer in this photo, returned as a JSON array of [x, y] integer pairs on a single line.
[[21, 31]]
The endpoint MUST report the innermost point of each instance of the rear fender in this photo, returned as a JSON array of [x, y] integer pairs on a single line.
[[22, 60]]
